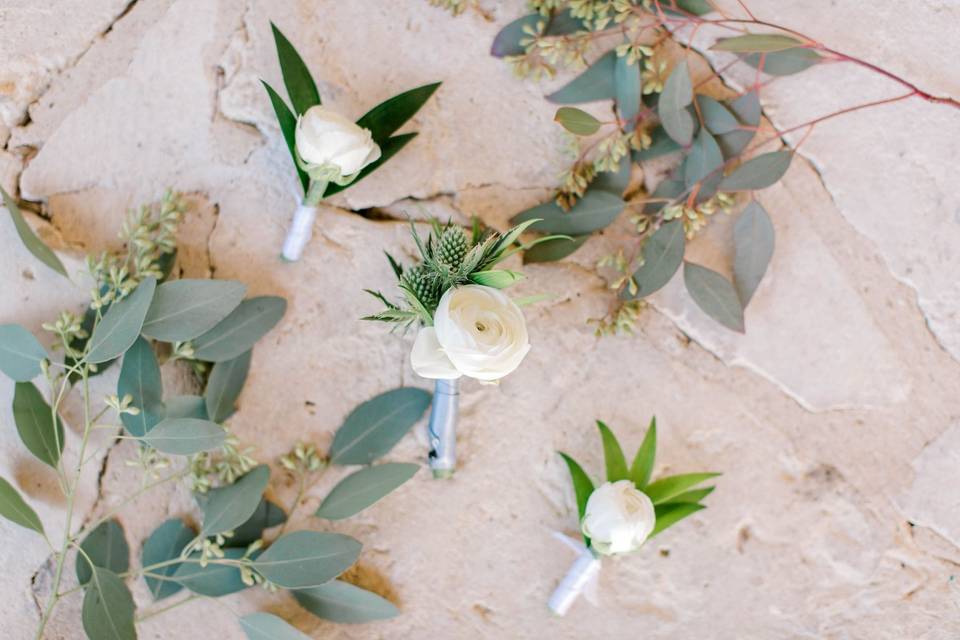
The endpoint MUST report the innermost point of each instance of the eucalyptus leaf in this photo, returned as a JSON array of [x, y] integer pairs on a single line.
[[595, 210], [344, 603], [166, 543], [626, 81], [226, 508], [596, 83], [703, 160], [215, 579], [305, 559], [185, 436], [42, 435], [683, 7], [616, 464], [106, 547], [140, 378], [15, 509], [296, 77], [672, 107], [715, 295], [266, 626], [108, 608], [665, 488], [388, 149], [784, 63], [614, 182], [374, 427], [582, 485], [363, 489], [747, 110], [507, 40], [388, 116], [662, 257], [186, 406], [577, 121], [267, 515], [224, 386], [661, 144], [642, 466], [20, 353], [288, 127], [553, 250], [759, 172], [753, 242], [34, 245], [716, 117], [184, 309], [239, 331], [496, 278], [667, 191], [756, 43], [121, 325], [670, 514]]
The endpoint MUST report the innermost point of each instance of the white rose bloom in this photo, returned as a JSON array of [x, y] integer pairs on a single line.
[[326, 138], [477, 332], [618, 518]]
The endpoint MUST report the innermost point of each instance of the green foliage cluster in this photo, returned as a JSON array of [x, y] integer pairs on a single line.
[[139, 317]]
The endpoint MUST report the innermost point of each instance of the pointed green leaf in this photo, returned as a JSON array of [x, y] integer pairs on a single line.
[[185, 436], [612, 455], [20, 353], [224, 386], [753, 240], [756, 43], [140, 378], [288, 127], [626, 81], [239, 331], [184, 309], [388, 116], [34, 245], [106, 547], [662, 256], [784, 63], [108, 608], [266, 626], [388, 149], [715, 295], [759, 172], [15, 509], [267, 515], [582, 485], [665, 488], [305, 559], [496, 278], [166, 543], [670, 514], [226, 508], [363, 489], [642, 466], [121, 325], [596, 83], [296, 77], [214, 580], [553, 250], [703, 160], [42, 435], [342, 602], [716, 117], [576, 121], [694, 496], [595, 210], [672, 107], [374, 427]]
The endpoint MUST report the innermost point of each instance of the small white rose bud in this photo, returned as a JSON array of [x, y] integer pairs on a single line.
[[618, 518], [326, 140]]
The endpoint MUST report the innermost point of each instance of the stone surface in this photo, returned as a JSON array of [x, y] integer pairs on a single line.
[[833, 420]]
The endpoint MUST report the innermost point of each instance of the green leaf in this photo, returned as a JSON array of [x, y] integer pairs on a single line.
[[614, 182], [34, 245], [756, 43], [388, 116], [184, 309], [267, 515], [666, 488], [692, 496], [140, 378], [672, 107], [80, 345], [387, 150], [121, 325], [345, 603], [660, 145], [716, 117], [20, 353], [305, 559], [374, 427], [364, 488], [576, 121], [239, 331], [106, 547], [613, 458], [108, 609], [759, 172], [553, 250], [185, 436], [642, 466], [596, 83], [42, 435], [703, 160], [670, 514], [224, 386], [187, 406], [582, 485], [784, 63], [662, 256], [753, 240], [296, 77], [228, 507], [747, 110], [15, 509], [496, 278], [715, 295], [214, 580], [166, 543], [682, 7], [266, 626], [288, 126], [595, 210], [507, 40], [626, 81]]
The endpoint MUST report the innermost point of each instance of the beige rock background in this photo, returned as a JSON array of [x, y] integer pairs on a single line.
[[835, 419]]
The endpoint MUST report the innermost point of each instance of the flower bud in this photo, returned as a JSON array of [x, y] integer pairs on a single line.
[[331, 147], [618, 518]]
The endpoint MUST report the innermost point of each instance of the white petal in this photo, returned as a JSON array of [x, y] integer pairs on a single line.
[[428, 359]]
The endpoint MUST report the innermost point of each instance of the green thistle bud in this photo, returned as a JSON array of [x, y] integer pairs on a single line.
[[424, 286], [452, 247]]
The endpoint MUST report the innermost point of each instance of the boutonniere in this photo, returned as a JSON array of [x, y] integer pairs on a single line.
[[618, 516], [329, 152]]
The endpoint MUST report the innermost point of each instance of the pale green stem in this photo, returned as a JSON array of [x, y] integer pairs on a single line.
[[315, 192], [157, 612], [301, 490]]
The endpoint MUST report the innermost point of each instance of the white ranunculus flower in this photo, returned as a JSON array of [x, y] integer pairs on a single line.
[[477, 332], [326, 139], [618, 518]]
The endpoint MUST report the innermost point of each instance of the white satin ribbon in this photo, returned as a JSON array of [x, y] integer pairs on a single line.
[[581, 577], [301, 230]]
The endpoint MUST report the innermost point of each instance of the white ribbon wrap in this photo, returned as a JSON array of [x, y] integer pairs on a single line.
[[301, 230], [581, 577]]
